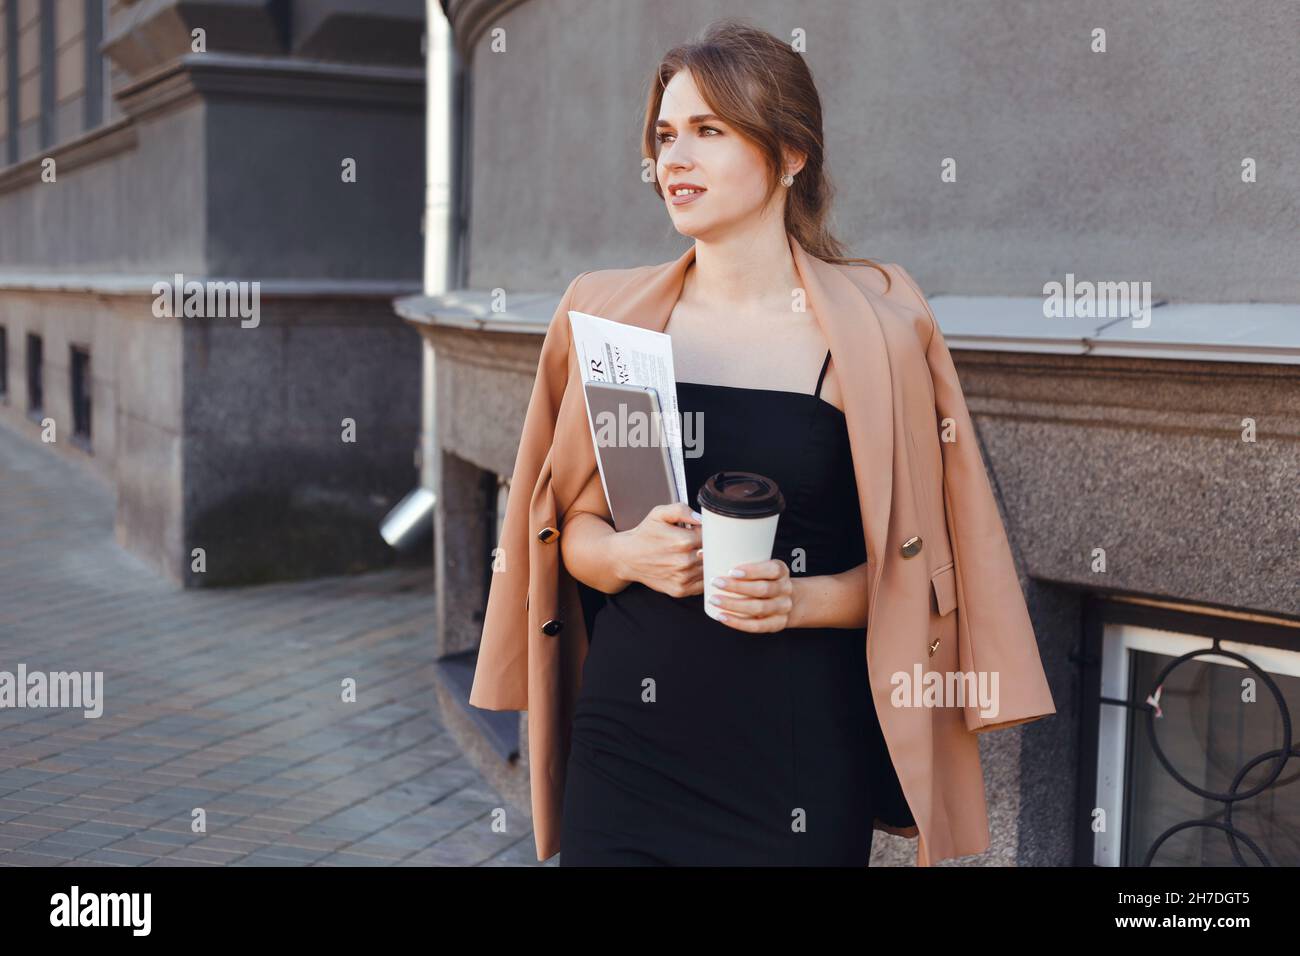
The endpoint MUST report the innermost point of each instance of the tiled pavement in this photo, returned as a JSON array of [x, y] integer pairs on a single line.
[[224, 699]]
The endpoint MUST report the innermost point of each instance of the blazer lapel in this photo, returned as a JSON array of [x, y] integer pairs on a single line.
[[851, 326], [853, 333]]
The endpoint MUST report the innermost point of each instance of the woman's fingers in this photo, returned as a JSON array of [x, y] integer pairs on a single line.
[[755, 625], [773, 568], [677, 513], [753, 607], [760, 600], [761, 579], [762, 588], [752, 625]]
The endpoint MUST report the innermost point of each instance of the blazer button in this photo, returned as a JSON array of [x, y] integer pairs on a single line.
[[911, 547], [552, 627], [548, 534]]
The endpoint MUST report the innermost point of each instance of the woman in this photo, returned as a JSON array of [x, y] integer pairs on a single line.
[[657, 733], [787, 767]]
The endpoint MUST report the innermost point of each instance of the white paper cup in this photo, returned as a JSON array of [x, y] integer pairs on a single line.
[[740, 512]]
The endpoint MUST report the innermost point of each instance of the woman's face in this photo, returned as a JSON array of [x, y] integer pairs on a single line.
[[701, 150]]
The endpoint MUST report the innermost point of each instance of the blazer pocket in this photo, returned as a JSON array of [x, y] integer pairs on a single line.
[[944, 584]]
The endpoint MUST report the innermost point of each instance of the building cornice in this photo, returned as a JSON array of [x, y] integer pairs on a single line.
[[91, 147], [253, 77], [470, 19]]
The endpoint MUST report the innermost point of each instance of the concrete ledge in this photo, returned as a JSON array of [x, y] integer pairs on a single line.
[[471, 309], [1262, 332], [1206, 332], [108, 284], [499, 728]]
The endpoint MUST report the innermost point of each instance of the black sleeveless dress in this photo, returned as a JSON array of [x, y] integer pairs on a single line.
[[695, 743]]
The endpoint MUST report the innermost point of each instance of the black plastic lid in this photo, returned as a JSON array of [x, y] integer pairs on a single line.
[[741, 494]]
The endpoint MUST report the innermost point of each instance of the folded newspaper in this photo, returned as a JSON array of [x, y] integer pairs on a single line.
[[611, 351]]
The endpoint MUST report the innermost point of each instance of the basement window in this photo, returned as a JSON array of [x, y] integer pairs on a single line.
[[35, 366], [1190, 721], [81, 395]]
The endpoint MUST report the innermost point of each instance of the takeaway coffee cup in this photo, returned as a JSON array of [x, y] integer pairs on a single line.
[[740, 511]]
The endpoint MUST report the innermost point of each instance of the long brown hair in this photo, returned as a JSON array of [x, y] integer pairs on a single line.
[[764, 89]]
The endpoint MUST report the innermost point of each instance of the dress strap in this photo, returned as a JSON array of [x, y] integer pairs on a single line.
[[825, 364], [812, 434]]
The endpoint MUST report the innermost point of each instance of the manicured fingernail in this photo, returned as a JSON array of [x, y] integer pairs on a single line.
[[715, 600], [719, 582], [697, 516], [699, 552], [737, 572]]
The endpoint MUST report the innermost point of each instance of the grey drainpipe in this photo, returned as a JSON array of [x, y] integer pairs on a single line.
[[412, 519]]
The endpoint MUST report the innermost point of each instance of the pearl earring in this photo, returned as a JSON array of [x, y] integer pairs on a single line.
[[787, 180]]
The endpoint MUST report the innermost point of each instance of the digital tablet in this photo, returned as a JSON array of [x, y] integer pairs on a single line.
[[631, 450]]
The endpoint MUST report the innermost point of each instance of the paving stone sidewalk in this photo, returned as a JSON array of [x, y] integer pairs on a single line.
[[227, 700]]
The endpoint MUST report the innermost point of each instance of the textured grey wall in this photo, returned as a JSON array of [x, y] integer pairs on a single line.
[[1123, 164], [270, 487], [281, 169], [138, 211], [184, 197]]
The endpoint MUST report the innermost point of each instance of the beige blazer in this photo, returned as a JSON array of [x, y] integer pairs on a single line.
[[944, 591]]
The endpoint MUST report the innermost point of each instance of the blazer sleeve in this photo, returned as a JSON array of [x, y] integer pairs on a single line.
[[501, 672], [994, 631]]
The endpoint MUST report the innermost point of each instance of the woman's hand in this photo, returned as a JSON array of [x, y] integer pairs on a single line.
[[661, 554], [760, 600]]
